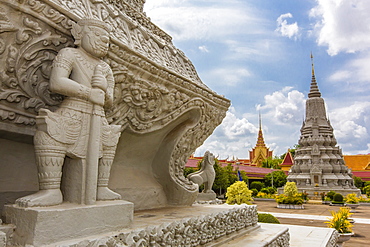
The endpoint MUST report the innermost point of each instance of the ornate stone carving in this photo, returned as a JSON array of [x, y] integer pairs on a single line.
[[194, 231], [27, 48]]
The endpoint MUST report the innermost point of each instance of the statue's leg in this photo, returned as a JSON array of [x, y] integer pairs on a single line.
[[49, 159], [105, 164]]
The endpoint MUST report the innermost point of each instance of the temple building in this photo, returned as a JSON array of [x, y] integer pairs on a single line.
[[260, 152], [318, 163], [287, 162]]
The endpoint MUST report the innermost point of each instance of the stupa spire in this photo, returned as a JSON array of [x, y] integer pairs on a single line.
[[314, 90]]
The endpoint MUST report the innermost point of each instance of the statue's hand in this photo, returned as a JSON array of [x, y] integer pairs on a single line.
[[99, 81], [97, 96]]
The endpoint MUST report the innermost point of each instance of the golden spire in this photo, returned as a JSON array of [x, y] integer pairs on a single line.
[[260, 140]]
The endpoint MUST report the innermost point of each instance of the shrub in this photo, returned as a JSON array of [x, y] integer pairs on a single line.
[[352, 199], [265, 190], [284, 199], [257, 185], [331, 195], [271, 190], [267, 218], [304, 195], [238, 193], [254, 192], [367, 189], [323, 195], [290, 189], [338, 198], [264, 195], [340, 222], [366, 183]]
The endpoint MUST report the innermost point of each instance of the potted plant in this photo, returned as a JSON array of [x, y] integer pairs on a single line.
[[340, 222], [338, 200], [326, 200], [352, 201]]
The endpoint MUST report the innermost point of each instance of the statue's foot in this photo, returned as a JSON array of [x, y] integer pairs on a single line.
[[104, 194], [41, 198]]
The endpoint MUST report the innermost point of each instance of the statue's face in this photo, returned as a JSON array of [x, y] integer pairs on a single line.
[[95, 41]]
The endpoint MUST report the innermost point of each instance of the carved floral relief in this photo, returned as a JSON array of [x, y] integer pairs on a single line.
[[27, 48]]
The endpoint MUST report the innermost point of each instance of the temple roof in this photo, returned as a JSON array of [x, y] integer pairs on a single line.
[[288, 160]]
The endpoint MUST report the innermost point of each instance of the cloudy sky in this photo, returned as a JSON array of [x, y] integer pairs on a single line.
[[257, 54]]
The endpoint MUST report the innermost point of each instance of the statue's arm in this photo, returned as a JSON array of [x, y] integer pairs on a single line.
[[59, 77], [110, 89]]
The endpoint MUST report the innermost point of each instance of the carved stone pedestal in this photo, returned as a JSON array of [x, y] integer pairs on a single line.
[[40, 226], [209, 196]]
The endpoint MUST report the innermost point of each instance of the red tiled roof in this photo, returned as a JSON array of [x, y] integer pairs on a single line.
[[364, 175], [288, 160], [251, 171]]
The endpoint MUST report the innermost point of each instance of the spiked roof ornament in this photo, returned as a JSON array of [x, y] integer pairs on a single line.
[[314, 90]]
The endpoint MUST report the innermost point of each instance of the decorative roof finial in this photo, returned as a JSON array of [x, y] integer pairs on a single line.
[[260, 120], [314, 90], [312, 64]]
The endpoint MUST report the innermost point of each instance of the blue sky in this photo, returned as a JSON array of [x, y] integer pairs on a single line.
[[257, 54]]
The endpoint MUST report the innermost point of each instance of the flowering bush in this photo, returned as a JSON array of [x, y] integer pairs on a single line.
[[284, 199], [339, 221], [290, 196], [265, 195], [290, 189], [352, 199], [238, 193]]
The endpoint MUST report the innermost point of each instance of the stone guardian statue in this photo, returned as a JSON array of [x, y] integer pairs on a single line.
[[206, 175], [78, 128]]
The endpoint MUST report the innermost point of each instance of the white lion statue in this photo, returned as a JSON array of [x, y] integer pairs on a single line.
[[206, 174]]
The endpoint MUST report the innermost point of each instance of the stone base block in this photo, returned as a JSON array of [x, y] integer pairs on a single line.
[[209, 196], [40, 226], [290, 206]]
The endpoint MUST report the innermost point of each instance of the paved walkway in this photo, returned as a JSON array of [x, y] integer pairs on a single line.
[[315, 215]]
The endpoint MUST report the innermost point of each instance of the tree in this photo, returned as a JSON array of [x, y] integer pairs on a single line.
[[231, 174], [358, 182], [291, 150], [188, 170], [272, 162], [279, 178], [257, 185], [221, 179], [239, 193]]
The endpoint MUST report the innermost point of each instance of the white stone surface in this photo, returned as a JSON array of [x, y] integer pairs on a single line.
[[46, 225], [2, 239], [300, 236]]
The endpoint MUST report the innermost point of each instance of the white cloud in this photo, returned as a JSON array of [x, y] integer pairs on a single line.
[[286, 106], [351, 124], [342, 26], [229, 76], [354, 75], [287, 30], [203, 48], [231, 138], [203, 20]]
